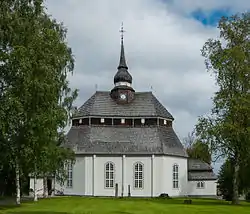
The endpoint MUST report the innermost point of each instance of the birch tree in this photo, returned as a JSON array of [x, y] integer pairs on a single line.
[[35, 62], [227, 128]]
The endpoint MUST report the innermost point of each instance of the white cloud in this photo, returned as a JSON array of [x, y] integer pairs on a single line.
[[162, 50]]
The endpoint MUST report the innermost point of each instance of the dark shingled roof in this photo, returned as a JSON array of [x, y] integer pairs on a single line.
[[198, 165], [197, 176], [199, 170], [125, 140], [145, 104]]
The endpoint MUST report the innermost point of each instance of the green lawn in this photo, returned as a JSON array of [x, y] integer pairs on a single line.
[[79, 205]]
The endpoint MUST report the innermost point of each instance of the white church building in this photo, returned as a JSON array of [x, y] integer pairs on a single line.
[[125, 145]]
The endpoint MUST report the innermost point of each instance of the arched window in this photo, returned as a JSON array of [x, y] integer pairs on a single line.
[[69, 168], [109, 175], [175, 176], [138, 176]]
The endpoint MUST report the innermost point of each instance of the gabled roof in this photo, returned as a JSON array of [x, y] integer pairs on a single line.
[[125, 140], [198, 165], [145, 104], [200, 170]]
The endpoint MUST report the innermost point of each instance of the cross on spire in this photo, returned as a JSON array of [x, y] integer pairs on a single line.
[[122, 31]]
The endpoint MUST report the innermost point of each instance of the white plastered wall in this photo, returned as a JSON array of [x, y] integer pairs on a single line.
[[210, 188], [167, 184], [78, 177], [39, 186], [89, 177]]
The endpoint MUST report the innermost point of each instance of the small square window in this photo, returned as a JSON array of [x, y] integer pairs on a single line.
[[102, 120], [200, 185], [122, 121]]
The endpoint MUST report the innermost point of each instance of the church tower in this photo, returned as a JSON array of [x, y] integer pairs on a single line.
[[122, 92]]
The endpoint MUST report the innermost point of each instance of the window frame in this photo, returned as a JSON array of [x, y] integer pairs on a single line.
[[175, 176], [199, 186], [138, 183], [108, 179], [69, 168]]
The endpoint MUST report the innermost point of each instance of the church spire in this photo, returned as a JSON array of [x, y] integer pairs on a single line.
[[122, 74], [123, 92], [122, 63]]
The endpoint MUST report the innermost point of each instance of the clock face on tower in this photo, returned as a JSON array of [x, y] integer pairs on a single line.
[[123, 96]]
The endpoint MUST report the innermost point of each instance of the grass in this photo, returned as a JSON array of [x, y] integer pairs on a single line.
[[83, 205]]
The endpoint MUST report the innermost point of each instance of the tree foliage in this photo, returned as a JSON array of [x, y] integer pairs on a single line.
[[200, 151], [197, 149], [225, 179], [227, 129], [35, 97]]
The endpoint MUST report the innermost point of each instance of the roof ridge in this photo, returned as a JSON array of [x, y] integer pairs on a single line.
[[158, 104], [93, 101], [88, 102]]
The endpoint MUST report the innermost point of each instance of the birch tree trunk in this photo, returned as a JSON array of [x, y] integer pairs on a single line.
[[54, 186], [235, 199], [45, 187], [18, 192], [35, 191]]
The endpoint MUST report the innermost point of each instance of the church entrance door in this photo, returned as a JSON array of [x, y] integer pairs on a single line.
[[49, 185]]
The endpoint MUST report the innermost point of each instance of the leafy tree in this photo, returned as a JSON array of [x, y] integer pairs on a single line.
[[15, 19], [56, 157], [225, 179], [227, 129], [34, 93], [190, 139], [200, 151], [197, 149]]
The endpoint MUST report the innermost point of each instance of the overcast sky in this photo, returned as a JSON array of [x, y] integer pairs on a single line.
[[162, 45]]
